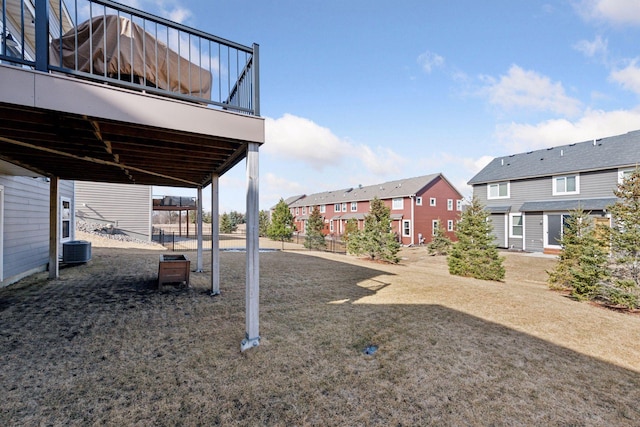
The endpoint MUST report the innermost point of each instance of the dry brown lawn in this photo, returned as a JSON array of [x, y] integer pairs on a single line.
[[101, 346]]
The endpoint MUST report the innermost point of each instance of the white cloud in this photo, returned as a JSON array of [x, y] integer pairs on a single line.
[[429, 60], [597, 47], [517, 137], [302, 140], [522, 89], [628, 77], [613, 11]]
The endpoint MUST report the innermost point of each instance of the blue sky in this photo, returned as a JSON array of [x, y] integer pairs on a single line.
[[363, 92]]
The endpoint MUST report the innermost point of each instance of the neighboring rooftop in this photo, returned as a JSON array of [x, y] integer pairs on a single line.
[[387, 190], [598, 154]]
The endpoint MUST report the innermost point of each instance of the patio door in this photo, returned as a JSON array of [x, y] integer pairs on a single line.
[[554, 229]]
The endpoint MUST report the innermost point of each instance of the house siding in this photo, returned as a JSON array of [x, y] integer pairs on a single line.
[[26, 225], [126, 206]]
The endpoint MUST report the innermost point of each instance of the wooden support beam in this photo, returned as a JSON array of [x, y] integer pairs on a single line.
[[54, 229], [252, 300]]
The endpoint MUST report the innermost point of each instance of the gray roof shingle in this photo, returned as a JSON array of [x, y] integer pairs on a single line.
[[388, 190], [606, 153]]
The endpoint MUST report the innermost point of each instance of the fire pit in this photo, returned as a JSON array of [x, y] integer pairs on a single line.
[[173, 269]]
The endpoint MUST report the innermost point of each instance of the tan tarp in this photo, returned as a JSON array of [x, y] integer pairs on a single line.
[[112, 44]]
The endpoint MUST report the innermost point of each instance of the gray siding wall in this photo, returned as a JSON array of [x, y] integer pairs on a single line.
[[593, 185], [128, 206], [26, 225]]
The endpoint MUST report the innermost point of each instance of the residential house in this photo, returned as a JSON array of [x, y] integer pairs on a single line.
[[417, 205], [530, 194]]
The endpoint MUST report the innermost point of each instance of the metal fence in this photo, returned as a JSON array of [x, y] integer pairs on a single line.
[[129, 48], [177, 242]]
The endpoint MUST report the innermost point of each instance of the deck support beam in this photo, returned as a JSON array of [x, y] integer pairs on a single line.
[[252, 336]]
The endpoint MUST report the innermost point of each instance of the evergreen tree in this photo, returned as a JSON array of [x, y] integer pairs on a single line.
[[475, 254], [282, 226], [350, 227], [226, 226], [440, 244], [314, 238], [236, 218], [583, 260], [624, 288], [263, 223], [376, 240]]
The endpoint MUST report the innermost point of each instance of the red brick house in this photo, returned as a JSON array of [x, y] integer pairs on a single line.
[[416, 205]]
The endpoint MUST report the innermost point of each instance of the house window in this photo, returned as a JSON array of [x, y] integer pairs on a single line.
[[569, 184], [449, 225], [624, 174], [66, 220], [297, 211], [458, 205], [397, 203], [344, 207], [434, 226], [354, 206], [418, 201], [432, 201], [517, 225], [406, 228], [449, 204], [331, 226], [304, 210], [498, 190], [336, 207], [323, 208]]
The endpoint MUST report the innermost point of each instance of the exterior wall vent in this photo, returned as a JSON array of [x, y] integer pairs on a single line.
[[76, 252]]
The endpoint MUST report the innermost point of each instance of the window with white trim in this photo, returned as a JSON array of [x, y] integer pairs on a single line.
[[304, 210], [568, 184], [449, 204], [432, 201], [458, 205], [323, 208], [418, 201], [336, 207], [406, 228], [344, 207], [65, 231], [624, 174], [331, 226], [434, 226], [449, 225], [397, 203], [297, 211], [354, 206], [516, 225], [498, 190]]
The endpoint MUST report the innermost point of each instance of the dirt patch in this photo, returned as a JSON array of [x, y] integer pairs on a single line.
[[101, 345]]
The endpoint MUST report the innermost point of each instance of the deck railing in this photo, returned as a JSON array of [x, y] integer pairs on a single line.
[[106, 41]]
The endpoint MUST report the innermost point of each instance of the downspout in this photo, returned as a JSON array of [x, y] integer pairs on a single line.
[[411, 223]]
